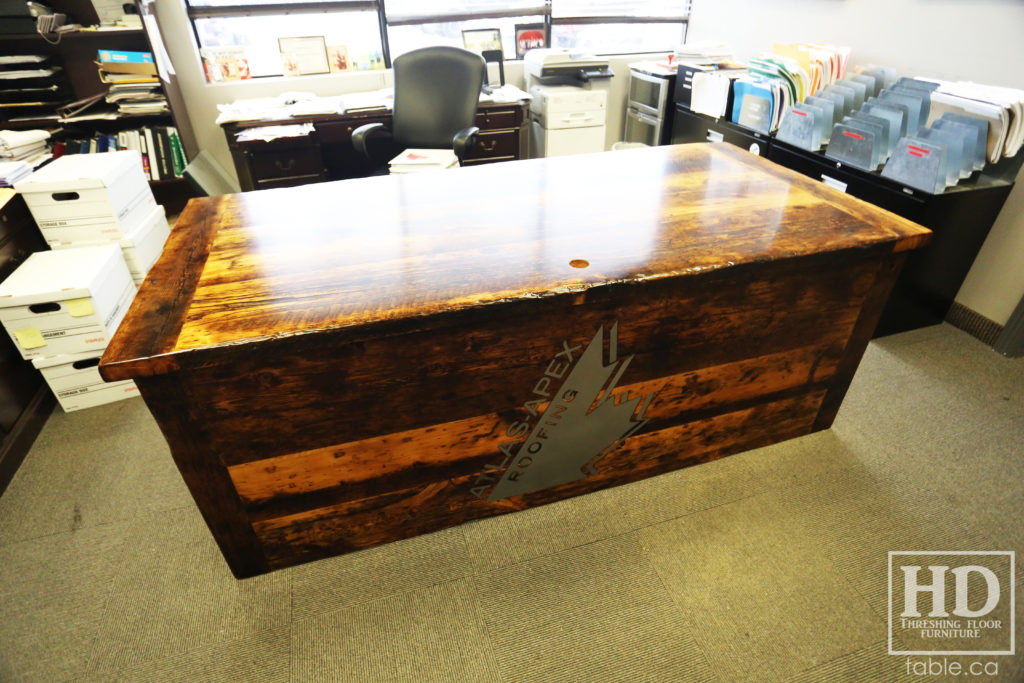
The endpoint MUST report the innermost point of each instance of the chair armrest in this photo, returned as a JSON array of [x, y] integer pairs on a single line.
[[362, 133], [463, 140]]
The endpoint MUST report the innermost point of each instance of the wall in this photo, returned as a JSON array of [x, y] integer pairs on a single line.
[[918, 37], [980, 41]]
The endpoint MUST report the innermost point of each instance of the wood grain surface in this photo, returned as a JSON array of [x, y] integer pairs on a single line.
[[347, 364], [352, 254]]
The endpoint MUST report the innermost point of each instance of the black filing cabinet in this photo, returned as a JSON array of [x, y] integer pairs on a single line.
[[689, 126], [960, 219]]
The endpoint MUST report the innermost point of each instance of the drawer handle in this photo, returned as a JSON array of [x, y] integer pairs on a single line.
[[488, 148], [282, 166], [64, 196], [50, 307], [87, 363]]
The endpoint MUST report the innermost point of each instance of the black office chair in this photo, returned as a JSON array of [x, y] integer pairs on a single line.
[[437, 90]]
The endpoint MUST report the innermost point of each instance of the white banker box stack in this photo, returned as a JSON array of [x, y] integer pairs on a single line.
[[61, 307], [89, 199]]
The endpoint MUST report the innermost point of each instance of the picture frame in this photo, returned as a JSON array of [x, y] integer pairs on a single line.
[[303, 56], [479, 39], [337, 56], [530, 36]]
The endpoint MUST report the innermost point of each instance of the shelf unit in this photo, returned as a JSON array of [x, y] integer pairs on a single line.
[[76, 53], [25, 400]]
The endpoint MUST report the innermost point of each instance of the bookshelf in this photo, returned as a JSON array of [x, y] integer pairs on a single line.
[[76, 53]]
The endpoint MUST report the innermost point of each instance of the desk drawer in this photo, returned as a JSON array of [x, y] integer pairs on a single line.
[[285, 163], [498, 118], [341, 131], [290, 181], [15, 248], [494, 144]]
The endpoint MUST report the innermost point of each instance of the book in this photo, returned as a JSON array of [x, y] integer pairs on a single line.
[[149, 160], [177, 151], [125, 57], [163, 152]]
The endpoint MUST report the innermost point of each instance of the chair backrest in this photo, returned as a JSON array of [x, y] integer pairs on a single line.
[[437, 90]]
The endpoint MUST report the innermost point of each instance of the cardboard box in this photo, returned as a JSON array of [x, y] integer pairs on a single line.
[[66, 302], [141, 247], [89, 197], [75, 381]]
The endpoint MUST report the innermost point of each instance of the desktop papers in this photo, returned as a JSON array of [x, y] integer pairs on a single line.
[[416, 160]]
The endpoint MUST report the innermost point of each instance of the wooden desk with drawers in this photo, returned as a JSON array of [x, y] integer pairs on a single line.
[[328, 154], [344, 364]]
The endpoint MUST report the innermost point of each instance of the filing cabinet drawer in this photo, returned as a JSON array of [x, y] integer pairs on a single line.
[[285, 162], [491, 144], [688, 126], [498, 118]]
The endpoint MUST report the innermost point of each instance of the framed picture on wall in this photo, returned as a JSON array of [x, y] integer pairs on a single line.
[[479, 39], [528, 37]]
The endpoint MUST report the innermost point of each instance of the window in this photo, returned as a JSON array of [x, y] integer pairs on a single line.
[[367, 34], [618, 26]]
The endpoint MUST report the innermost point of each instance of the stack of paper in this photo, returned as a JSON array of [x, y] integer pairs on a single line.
[[706, 52], [24, 145], [1002, 108], [31, 86], [137, 98], [13, 171], [416, 160]]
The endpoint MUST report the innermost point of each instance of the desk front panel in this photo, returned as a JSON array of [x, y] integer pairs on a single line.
[[321, 398]]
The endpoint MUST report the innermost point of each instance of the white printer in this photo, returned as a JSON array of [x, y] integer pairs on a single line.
[[569, 101]]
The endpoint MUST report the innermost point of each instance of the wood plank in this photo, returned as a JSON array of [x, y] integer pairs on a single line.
[[262, 406], [395, 461], [439, 504], [207, 480]]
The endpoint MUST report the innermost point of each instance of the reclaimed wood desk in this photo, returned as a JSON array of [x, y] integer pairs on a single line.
[[341, 365]]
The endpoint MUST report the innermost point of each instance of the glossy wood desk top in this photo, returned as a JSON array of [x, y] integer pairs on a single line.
[[352, 255]]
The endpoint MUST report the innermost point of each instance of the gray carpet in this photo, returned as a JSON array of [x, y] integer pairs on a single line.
[[768, 565]]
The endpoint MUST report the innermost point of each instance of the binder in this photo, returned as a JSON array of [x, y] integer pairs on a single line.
[[754, 103]]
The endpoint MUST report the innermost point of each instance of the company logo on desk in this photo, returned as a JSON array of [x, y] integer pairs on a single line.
[[583, 421]]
